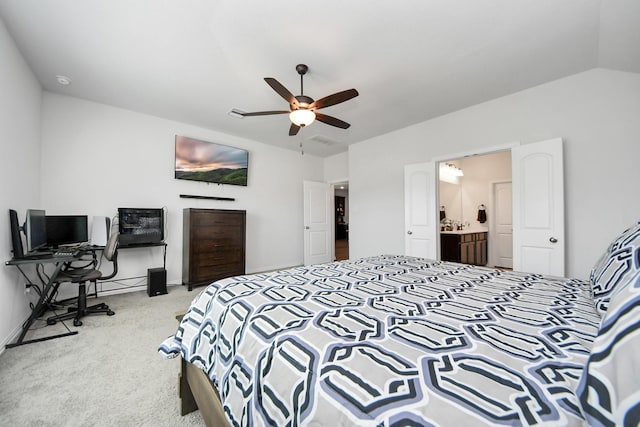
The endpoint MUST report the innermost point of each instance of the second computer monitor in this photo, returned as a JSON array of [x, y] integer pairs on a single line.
[[66, 230], [35, 228]]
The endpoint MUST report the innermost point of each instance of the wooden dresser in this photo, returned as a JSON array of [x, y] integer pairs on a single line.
[[213, 245], [467, 248]]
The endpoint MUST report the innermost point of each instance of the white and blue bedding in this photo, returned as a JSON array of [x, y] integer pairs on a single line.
[[403, 341]]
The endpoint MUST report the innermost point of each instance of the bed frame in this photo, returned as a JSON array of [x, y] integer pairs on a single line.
[[196, 391]]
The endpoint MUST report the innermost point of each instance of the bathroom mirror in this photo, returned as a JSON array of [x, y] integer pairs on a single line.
[[466, 184]]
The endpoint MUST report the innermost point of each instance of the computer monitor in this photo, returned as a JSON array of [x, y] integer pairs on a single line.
[[16, 239], [139, 226], [66, 230], [35, 228]]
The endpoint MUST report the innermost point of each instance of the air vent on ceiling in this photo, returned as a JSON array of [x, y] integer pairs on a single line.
[[323, 140]]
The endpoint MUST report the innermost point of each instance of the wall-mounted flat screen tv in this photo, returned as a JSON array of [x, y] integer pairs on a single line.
[[210, 162]]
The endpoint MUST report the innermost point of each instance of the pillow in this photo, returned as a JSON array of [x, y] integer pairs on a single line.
[[609, 388], [615, 267]]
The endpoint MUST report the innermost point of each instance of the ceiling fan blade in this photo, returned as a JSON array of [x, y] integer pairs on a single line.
[[293, 130], [264, 113], [281, 90], [334, 99], [332, 121]]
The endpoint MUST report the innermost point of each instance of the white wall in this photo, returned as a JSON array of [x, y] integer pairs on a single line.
[[595, 112], [19, 171], [336, 167], [96, 158]]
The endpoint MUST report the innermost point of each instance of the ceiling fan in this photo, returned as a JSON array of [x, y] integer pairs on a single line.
[[303, 109]]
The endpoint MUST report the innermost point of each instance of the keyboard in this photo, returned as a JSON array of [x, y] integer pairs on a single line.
[[66, 252]]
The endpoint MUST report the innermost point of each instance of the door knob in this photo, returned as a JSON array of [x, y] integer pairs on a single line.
[[409, 232], [553, 240]]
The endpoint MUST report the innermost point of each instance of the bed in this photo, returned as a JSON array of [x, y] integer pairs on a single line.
[[403, 341]]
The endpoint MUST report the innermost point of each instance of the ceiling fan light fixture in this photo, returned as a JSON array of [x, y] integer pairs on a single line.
[[302, 117], [302, 109]]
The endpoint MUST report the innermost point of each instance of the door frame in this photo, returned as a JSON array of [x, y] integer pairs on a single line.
[[470, 153], [332, 188]]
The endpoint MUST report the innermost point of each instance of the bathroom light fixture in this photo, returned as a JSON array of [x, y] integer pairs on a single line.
[[452, 169], [302, 117], [450, 173]]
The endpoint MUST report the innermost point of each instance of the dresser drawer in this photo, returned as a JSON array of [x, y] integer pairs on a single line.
[[209, 274], [203, 220], [213, 245], [219, 255]]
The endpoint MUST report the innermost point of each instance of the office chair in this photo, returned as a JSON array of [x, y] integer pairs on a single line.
[[83, 275]]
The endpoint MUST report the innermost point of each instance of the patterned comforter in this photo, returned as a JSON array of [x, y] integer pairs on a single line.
[[392, 341]]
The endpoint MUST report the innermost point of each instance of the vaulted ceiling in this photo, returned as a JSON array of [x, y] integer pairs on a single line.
[[194, 60]]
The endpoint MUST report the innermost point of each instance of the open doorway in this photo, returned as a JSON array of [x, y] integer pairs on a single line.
[[537, 207], [341, 207], [476, 209]]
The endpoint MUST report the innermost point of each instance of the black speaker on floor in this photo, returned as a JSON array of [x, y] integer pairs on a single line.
[[156, 281]]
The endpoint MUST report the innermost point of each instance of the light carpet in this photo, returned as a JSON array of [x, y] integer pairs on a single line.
[[110, 374]]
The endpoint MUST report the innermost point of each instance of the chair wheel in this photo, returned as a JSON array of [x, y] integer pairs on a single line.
[[110, 313], [77, 322], [51, 322]]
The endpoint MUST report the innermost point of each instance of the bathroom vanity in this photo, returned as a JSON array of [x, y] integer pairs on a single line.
[[465, 246]]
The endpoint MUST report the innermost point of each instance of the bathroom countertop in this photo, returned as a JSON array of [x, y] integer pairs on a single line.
[[467, 231]]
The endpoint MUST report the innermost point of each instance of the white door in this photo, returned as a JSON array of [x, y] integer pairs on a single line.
[[317, 223], [538, 208], [420, 214], [502, 244]]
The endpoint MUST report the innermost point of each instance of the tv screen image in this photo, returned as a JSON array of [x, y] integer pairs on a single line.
[[139, 226], [198, 160]]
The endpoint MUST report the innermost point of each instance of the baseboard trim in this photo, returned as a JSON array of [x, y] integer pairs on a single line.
[[13, 335]]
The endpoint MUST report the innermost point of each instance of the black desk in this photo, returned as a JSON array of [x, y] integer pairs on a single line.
[[148, 245], [45, 296]]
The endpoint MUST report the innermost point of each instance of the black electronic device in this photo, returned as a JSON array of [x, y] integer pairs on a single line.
[[16, 239], [140, 226], [156, 281], [35, 228], [66, 230]]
